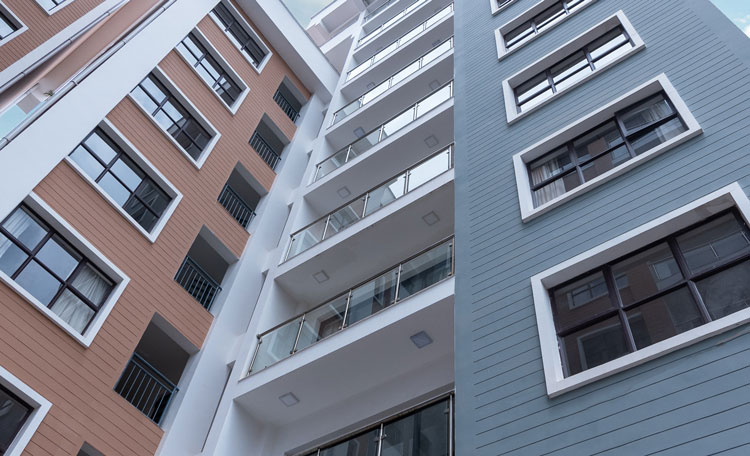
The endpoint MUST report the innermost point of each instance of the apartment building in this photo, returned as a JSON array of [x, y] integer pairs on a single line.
[[602, 248]]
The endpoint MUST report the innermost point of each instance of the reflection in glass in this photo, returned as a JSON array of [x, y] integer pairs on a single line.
[[385, 194], [594, 345], [581, 299], [726, 292], [322, 322], [646, 274], [345, 217], [365, 444], [423, 433], [425, 270], [429, 169], [372, 297], [713, 242], [307, 238], [664, 317], [276, 345]]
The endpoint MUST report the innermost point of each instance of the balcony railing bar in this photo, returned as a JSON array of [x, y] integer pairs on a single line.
[[302, 317], [390, 22], [286, 106], [197, 283], [415, 115], [155, 382], [364, 213], [377, 10], [237, 208], [265, 151], [360, 102], [377, 57]]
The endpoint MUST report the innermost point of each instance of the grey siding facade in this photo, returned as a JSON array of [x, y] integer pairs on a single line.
[[695, 401]]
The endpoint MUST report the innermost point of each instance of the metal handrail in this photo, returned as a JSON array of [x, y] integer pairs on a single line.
[[379, 130], [286, 106], [360, 102], [348, 294], [378, 57], [153, 386], [265, 151], [390, 22], [197, 282], [366, 197], [236, 206]]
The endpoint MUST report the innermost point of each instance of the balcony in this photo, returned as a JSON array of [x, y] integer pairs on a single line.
[[146, 388], [286, 106], [197, 282], [236, 206], [388, 288], [266, 152], [370, 202], [368, 36], [389, 128], [402, 75], [410, 36]]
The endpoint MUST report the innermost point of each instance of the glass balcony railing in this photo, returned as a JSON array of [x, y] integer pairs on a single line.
[[378, 10], [406, 279], [377, 198], [384, 86], [387, 24], [384, 131], [410, 35]]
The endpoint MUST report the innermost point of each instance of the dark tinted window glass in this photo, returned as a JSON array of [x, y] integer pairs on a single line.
[[13, 414]]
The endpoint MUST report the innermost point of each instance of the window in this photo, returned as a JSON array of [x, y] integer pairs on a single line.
[[171, 114], [240, 33], [50, 5], [8, 26], [222, 80], [540, 18], [104, 161], [499, 5], [49, 268], [630, 133], [669, 283], [14, 412], [624, 133]]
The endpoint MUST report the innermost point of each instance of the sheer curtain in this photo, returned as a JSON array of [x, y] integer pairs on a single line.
[[71, 309], [16, 224], [549, 191]]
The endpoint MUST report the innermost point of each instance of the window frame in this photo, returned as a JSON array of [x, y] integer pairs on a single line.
[[521, 160], [90, 253], [557, 56], [248, 29], [503, 51], [225, 66], [56, 8], [13, 19], [731, 197], [147, 167], [39, 405], [496, 7], [176, 93]]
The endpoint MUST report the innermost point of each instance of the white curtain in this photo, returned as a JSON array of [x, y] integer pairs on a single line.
[[71, 309], [551, 190], [16, 224]]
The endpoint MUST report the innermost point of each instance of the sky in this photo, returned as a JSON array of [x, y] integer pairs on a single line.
[[737, 10]]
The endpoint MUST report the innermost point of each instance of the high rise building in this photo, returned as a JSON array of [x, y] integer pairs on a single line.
[[224, 234]]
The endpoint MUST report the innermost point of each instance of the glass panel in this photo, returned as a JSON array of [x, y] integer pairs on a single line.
[[307, 238], [114, 189], [726, 292], [556, 188], [359, 69], [664, 317], [594, 345], [87, 162], [382, 54], [550, 16], [140, 214], [434, 100], [144, 100], [153, 88], [657, 136], [91, 284], [434, 54], [397, 123], [385, 194], [423, 433], [532, 88], [58, 257], [25, 228], [597, 141], [40, 283], [12, 418], [429, 169], [645, 113], [332, 163], [437, 17], [646, 274], [605, 162], [364, 144], [712, 243], [581, 300], [322, 322], [365, 444], [346, 111], [73, 311], [613, 44], [156, 199], [101, 147], [570, 71], [550, 165], [519, 35], [127, 172], [408, 37], [427, 269], [345, 217], [372, 297], [11, 256], [276, 345], [375, 92]]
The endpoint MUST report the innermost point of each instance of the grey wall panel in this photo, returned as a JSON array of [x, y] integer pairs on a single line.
[[693, 401]]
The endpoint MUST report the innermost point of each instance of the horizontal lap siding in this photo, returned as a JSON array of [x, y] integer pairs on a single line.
[[41, 26], [79, 382], [694, 401]]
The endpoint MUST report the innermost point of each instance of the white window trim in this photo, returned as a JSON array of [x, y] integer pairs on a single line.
[[56, 8], [560, 53], [727, 197], [249, 30], [135, 155], [496, 9], [187, 104], [92, 254], [503, 51], [567, 133], [225, 65], [16, 21], [40, 405]]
